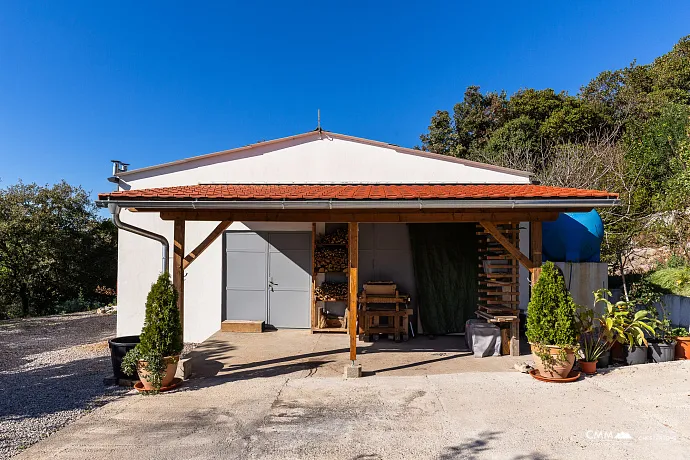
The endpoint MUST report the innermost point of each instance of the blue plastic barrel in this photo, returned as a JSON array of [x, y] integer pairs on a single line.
[[573, 237]]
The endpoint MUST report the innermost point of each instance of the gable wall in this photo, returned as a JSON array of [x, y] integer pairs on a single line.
[[318, 161]]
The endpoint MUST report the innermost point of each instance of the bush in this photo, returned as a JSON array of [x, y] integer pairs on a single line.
[[551, 311], [162, 333]]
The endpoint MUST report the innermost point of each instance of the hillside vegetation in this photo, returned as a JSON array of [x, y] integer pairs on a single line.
[[626, 131]]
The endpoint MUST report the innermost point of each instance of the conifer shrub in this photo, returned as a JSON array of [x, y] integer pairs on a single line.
[[161, 336], [551, 313]]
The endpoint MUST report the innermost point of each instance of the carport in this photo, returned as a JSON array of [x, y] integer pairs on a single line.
[[487, 205]]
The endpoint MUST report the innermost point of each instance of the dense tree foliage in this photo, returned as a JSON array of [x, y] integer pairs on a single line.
[[626, 131], [53, 248]]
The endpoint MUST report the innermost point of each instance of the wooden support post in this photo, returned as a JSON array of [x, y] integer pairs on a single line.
[[178, 267], [535, 250], [353, 247], [220, 228]]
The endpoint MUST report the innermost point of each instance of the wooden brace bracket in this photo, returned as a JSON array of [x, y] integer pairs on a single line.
[[515, 252], [196, 252]]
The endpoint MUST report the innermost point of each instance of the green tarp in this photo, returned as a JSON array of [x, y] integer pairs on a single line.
[[445, 266]]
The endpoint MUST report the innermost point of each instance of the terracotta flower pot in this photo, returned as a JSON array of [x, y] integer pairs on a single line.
[[168, 376], [588, 367], [560, 369], [682, 347]]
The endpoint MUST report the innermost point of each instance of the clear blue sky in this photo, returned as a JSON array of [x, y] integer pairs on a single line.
[[82, 83]]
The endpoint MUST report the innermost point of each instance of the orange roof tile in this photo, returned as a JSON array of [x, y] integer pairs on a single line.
[[355, 192]]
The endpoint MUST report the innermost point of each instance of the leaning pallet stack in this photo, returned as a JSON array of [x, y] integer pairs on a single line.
[[330, 260], [499, 272]]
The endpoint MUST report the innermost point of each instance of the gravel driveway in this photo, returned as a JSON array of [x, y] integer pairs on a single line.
[[51, 372]]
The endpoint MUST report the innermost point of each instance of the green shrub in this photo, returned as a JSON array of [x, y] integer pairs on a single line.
[[680, 332], [551, 311], [161, 335]]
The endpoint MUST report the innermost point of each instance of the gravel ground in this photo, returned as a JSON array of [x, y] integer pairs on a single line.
[[51, 373]]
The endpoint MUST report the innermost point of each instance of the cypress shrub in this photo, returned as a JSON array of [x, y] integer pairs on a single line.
[[551, 311], [162, 333]]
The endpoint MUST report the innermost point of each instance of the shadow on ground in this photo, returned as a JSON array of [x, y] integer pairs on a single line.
[[481, 447], [217, 360], [54, 388]]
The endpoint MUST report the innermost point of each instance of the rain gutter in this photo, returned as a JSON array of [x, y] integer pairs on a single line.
[[114, 209], [360, 204]]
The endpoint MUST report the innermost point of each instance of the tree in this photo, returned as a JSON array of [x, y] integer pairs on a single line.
[[535, 104], [53, 247], [441, 137], [473, 121]]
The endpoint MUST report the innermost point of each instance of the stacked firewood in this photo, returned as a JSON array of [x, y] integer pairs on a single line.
[[330, 290], [337, 237], [328, 320], [330, 259]]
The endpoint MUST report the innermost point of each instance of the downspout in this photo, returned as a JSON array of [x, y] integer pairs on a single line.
[[115, 211]]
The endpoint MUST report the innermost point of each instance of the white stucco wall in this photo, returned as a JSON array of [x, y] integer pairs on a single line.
[[139, 262]]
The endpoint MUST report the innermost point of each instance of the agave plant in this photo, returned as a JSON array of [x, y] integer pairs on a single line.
[[593, 347]]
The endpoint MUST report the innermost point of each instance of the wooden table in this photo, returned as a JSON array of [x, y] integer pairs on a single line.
[[372, 309]]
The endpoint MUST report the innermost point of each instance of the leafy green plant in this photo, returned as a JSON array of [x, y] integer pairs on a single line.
[[551, 316], [621, 321], [680, 332], [593, 343], [161, 336]]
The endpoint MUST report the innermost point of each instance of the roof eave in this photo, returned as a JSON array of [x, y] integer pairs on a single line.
[[550, 203]]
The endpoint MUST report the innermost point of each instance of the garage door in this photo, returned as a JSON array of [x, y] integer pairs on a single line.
[[267, 277]]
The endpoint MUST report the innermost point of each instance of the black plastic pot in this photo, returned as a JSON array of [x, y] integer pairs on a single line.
[[636, 354], [662, 352], [604, 359], [119, 346]]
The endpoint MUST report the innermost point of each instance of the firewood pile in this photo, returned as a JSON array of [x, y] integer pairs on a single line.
[[329, 291], [329, 320], [330, 259], [337, 237]]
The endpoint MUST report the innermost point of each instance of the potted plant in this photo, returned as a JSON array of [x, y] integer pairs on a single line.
[[623, 324], [551, 324], [663, 347], [682, 337], [156, 356], [592, 349], [593, 345]]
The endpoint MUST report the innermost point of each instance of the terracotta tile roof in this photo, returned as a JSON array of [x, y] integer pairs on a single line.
[[355, 192]]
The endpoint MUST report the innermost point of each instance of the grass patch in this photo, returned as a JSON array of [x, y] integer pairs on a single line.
[[673, 279]]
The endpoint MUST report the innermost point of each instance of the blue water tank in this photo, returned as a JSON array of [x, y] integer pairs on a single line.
[[573, 237]]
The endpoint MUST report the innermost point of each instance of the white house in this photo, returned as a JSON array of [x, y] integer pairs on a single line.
[[280, 197]]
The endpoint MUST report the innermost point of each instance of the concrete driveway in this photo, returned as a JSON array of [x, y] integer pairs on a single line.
[[632, 412]]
